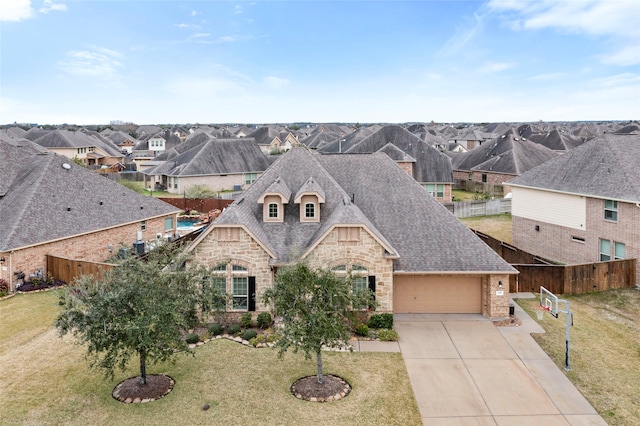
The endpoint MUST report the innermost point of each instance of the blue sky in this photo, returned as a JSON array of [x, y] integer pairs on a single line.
[[145, 61]]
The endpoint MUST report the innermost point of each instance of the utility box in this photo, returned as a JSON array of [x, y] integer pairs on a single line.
[[138, 247]]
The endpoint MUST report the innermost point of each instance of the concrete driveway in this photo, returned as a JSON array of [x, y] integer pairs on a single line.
[[466, 371]]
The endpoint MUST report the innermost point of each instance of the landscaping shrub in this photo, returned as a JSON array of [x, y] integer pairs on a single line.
[[362, 330], [387, 335], [234, 329], [192, 338], [381, 321], [215, 329], [4, 288], [264, 320], [246, 321], [249, 334]]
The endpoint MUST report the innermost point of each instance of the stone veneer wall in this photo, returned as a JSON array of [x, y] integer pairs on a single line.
[[366, 252], [330, 252], [93, 246]]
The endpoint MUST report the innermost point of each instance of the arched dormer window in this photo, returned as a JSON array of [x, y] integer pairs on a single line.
[[273, 210], [309, 197], [273, 201], [309, 211]]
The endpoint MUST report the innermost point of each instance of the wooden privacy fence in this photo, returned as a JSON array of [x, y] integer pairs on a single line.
[[68, 269], [576, 279], [202, 205], [536, 271]]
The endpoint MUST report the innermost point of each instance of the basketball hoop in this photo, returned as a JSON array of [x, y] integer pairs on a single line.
[[540, 310]]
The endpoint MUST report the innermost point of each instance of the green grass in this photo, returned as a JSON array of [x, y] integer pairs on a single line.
[[46, 380], [497, 226], [605, 350], [459, 195]]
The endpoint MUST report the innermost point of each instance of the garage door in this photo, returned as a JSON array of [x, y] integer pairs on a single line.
[[432, 294]]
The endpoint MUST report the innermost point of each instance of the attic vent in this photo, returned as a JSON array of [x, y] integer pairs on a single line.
[[516, 139], [66, 166], [502, 137]]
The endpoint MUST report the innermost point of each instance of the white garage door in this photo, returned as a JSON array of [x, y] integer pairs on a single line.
[[433, 294]]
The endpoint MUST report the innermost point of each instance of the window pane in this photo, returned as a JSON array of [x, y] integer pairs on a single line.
[[220, 267], [168, 224], [273, 210], [620, 251], [605, 250], [240, 289], [309, 210], [238, 268], [359, 283]]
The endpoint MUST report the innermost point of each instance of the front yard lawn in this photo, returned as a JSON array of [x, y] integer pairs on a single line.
[[46, 380], [605, 350]]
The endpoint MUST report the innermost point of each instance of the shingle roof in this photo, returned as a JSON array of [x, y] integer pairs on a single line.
[[508, 154], [371, 190], [38, 193], [214, 157], [430, 164], [606, 167]]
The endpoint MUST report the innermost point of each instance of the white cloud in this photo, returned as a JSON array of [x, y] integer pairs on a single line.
[[15, 10], [616, 20], [49, 5], [494, 67], [463, 35], [99, 62], [275, 82], [237, 9], [548, 76]]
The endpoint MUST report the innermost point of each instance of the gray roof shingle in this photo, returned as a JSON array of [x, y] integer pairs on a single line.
[[43, 201], [606, 167], [367, 189]]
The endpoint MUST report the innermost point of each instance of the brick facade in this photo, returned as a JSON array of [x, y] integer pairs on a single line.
[[93, 246], [569, 245]]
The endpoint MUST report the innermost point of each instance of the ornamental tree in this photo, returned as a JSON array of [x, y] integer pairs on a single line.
[[140, 307], [316, 307]]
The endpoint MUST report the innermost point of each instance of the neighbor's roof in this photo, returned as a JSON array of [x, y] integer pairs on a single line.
[[368, 190], [215, 157], [605, 167], [508, 154], [41, 201]]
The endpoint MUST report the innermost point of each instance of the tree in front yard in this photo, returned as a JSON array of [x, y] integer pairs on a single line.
[[316, 307], [141, 307]]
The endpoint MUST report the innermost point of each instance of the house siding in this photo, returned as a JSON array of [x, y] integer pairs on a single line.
[[564, 244], [93, 246], [214, 182], [550, 207]]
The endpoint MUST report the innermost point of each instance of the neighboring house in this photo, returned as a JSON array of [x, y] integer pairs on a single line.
[[471, 139], [156, 144], [49, 205], [583, 206], [357, 214], [499, 161], [89, 147], [220, 164], [271, 140], [426, 164]]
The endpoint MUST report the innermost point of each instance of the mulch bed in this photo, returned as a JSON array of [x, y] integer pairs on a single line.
[[131, 391], [512, 321], [333, 388]]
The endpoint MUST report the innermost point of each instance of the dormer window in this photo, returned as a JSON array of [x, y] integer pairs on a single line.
[[273, 210], [273, 201], [309, 210], [309, 197]]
